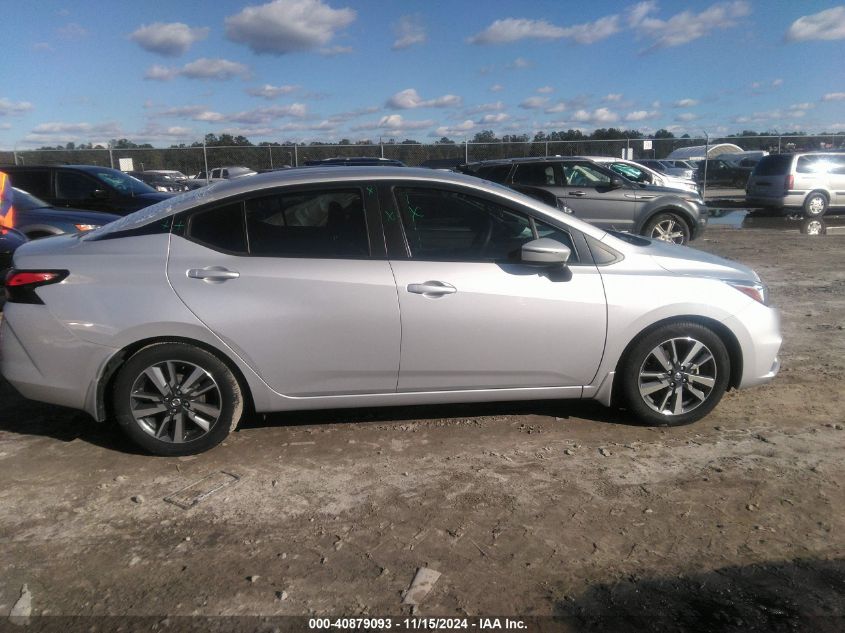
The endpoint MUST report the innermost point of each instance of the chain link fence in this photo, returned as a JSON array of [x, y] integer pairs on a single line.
[[191, 160]]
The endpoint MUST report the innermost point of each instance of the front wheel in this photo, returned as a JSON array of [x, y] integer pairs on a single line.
[[675, 374], [667, 227], [815, 205], [176, 399]]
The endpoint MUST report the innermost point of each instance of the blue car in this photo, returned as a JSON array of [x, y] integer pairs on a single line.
[[35, 218]]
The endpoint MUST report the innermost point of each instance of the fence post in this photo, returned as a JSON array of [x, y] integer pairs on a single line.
[[466, 151], [547, 149], [270, 147], [381, 145], [205, 162], [111, 157], [295, 156]]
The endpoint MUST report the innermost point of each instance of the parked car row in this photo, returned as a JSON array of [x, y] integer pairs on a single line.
[[379, 286]]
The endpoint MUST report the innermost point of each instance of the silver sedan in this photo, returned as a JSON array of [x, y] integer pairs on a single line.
[[322, 288]]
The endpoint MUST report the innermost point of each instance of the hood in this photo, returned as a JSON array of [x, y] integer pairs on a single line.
[[683, 260], [77, 216]]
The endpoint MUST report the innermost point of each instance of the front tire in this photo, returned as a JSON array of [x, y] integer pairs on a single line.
[[676, 374], [815, 205], [667, 227], [176, 399]]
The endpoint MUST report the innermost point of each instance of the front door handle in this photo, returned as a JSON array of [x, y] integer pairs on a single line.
[[213, 274], [432, 289], [580, 194]]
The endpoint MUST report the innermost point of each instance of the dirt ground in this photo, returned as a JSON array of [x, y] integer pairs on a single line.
[[553, 509]]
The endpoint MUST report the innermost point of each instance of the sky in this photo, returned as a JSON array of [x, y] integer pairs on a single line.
[[164, 73]]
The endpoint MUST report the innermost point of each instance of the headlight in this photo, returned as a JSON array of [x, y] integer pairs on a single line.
[[161, 188], [753, 289], [86, 227]]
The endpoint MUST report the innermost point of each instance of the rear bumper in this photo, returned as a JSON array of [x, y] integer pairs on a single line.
[[58, 368]]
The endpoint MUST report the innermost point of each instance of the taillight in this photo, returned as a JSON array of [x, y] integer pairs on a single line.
[[788, 182], [21, 284]]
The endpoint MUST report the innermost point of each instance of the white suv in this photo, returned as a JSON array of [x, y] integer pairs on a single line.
[[812, 181]]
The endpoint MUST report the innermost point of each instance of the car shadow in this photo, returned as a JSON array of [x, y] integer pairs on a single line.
[[27, 417], [797, 595]]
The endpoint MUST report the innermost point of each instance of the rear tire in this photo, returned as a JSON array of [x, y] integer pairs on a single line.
[[668, 227], [675, 374], [176, 399]]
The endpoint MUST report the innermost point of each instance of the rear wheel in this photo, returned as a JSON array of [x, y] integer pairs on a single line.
[[815, 205], [176, 399], [675, 374], [667, 227]]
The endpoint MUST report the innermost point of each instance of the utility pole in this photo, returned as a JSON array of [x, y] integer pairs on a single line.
[[706, 160]]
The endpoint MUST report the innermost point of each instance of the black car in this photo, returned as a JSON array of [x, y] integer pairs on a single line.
[[35, 218], [600, 196], [85, 187], [720, 172]]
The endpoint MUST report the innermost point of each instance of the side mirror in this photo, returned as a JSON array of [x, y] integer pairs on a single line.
[[616, 182], [545, 251]]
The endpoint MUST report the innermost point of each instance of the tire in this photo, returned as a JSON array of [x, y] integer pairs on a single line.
[[658, 391], [668, 227], [815, 205], [190, 398]]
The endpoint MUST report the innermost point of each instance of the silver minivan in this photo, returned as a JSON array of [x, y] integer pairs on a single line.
[[811, 181]]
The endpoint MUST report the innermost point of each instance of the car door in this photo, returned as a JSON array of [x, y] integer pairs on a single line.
[[289, 280], [81, 191], [474, 316], [590, 192]]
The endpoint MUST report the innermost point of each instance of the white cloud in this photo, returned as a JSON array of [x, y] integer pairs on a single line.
[[614, 96], [342, 117], [686, 103], [545, 90], [169, 39], [409, 99], [825, 25], [72, 31], [42, 47], [268, 114], [9, 107], [686, 117], [777, 83], [518, 63], [394, 123], [642, 115], [333, 51], [496, 106], [534, 103], [203, 68], [802, 106], [834, 96], [460, 129], [496, 88], [270, 92], [499, 117], [688, 26], [409, 30], [510, 30], [600, 116], [55, 132], [287, 26]]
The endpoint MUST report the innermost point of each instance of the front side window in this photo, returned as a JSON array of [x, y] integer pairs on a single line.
[[124, 183], [73, 186], [442, 225], [584, 175], [630, 172], [329, 224], [537, 174]]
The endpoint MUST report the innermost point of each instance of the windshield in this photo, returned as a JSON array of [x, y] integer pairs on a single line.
[[124, 183], [26, 201]]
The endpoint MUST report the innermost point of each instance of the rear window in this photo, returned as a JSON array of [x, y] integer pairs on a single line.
[[777, 165]]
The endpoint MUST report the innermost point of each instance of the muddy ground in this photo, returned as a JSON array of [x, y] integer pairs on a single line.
[[553, 509]]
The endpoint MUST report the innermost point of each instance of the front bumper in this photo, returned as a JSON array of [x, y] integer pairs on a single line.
[[757, 330]]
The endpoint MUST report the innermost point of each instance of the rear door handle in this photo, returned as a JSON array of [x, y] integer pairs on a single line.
[[213, 274], [580, 194], [432, 289]]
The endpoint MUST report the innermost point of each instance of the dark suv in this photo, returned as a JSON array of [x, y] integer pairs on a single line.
[[84, 187], [600, 196]]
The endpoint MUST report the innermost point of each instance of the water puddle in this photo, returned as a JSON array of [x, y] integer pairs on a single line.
[[757, 219]]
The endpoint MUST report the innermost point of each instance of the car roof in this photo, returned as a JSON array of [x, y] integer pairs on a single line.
[[528, 159], [316, 175]]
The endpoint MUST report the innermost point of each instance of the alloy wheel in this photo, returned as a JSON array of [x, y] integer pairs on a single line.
[[668, 230], [677, 376], [175, 401]]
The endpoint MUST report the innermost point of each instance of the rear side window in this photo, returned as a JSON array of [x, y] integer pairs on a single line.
[[221, 229], [328, 224], [36, 182], [494, 173], [777, 165]]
